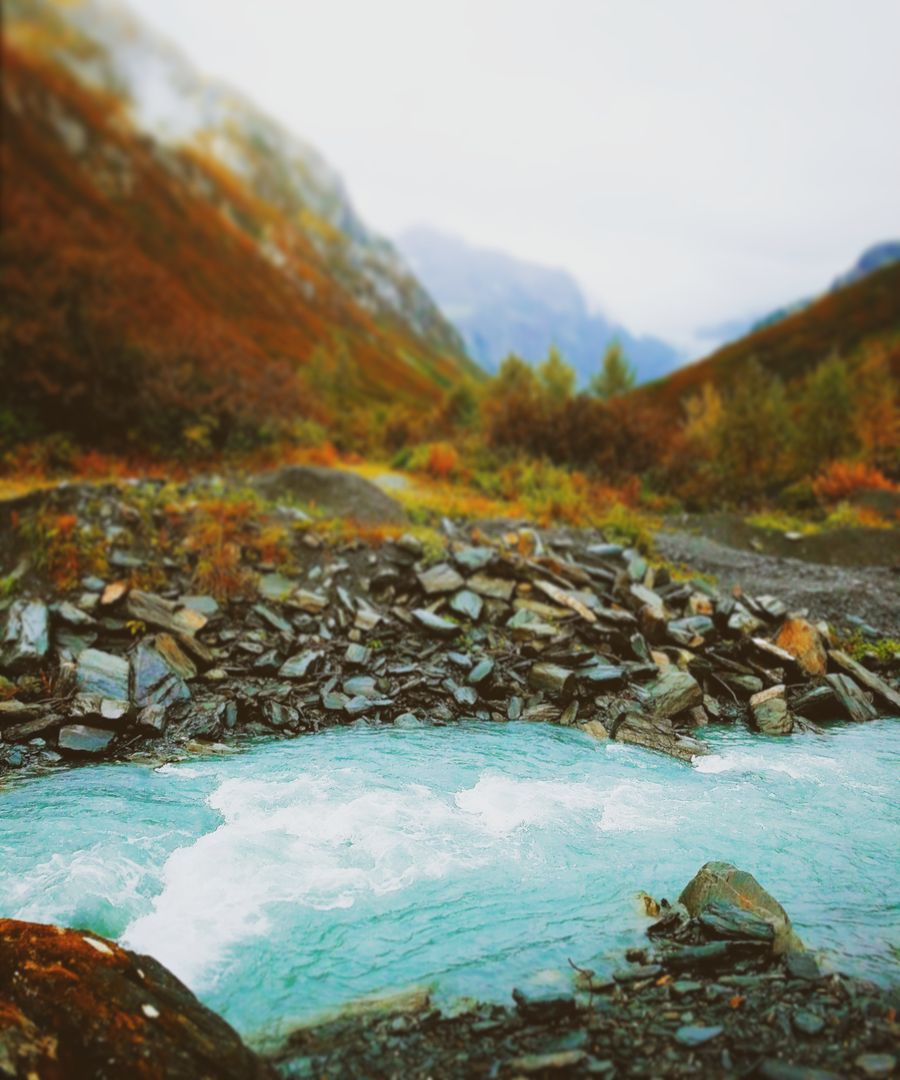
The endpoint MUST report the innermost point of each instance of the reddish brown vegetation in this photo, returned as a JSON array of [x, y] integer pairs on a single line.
[[139, 305]]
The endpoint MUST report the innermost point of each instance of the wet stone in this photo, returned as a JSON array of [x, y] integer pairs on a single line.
[[690, 1035], [152, 719], [102, 673], [435, 624], [493, 587], [671, 693], [441, 578], [82, 739], [472, 559], [276, 586], [467, 603], [357, 655], [155, 678], [807, 1023], [26, 637], [770, 712], [297, 667], [481, 672], [273, 619]]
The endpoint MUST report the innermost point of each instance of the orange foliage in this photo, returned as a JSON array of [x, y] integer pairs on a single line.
[[442, 462], [138, 305], [840, 479]]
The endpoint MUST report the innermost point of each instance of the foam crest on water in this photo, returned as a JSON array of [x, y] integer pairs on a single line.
[[816, 768], [501, 804]]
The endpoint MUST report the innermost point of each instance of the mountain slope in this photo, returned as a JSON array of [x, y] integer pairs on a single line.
[[837, 322], [501, 305], [150, 284]]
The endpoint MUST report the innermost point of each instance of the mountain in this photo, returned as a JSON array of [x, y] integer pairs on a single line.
[[173, 255], [866, 310], [872, 259], [501, 304]]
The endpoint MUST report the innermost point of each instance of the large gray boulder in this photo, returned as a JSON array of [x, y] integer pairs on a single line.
[[719, 884], [26, 635], [332, 491]]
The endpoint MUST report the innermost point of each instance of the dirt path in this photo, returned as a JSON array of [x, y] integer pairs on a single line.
[[829, 592]]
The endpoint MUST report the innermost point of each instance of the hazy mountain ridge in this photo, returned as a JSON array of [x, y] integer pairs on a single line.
[[501, 304]]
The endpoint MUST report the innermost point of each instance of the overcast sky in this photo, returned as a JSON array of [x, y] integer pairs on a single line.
[[688, 160]]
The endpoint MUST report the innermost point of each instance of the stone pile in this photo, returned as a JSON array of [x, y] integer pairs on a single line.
[[502, 624]]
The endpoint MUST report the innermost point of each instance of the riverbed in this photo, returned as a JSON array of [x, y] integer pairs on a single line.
[[289, 878]]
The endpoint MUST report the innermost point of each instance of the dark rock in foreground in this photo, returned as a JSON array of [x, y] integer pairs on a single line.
[[73, 1004]]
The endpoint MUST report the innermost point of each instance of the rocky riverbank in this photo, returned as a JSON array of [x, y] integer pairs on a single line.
[[305, 627], [724, 988]]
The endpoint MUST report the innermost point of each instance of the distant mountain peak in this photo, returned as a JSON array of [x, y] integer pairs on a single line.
[[502, 304]]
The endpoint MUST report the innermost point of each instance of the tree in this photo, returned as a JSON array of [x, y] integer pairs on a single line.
[[616, 377], [557, 379], [826, 415]]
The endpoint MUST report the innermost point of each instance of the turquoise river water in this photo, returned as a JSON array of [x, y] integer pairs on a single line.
[[292, 877]]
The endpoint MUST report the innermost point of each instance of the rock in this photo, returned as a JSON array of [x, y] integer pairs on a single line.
[[803, 965], [690, 1035], [113, 593], [205, 605], [725, 920], [356, 655], [868, 679], [876, 1065], [671, 693], [721, 883], [158, 672], [441, 578], [558, 682], [595, 728], [807, 1023], [276, 587], [85, 1007], [543, 1063], [276, 621], [851, 699], [567, 600], [163, 614], [26, 637], [467, 603], [655, 734], [435, 624], [770, 712], [312, 602], [152, 719], [102, 673], [407, 721], [526, 625], [277, 715], [81, 739], [603, 676], [692, 630], [297, 667], [333, 492], [803, 641], [544, 1006], [493, 587], [72, 615], [472, 559], [481, 672]]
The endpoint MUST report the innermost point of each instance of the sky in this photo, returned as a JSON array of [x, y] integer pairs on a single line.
[[689, 161]]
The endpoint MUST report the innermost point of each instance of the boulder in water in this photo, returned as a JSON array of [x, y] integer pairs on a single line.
[[720, 886], [332, 491], [79, 1005]]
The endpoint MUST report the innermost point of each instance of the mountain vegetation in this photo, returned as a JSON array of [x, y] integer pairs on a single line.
[[156, 297]]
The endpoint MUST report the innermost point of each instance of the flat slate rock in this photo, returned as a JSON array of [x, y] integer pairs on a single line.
[[81, 739]]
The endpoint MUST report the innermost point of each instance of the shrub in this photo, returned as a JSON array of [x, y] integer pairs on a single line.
[[840, 479]]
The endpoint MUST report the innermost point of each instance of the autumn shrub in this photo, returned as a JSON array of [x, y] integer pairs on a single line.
[[440, 461], [61, 548], [847, 516], [841, 479]]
